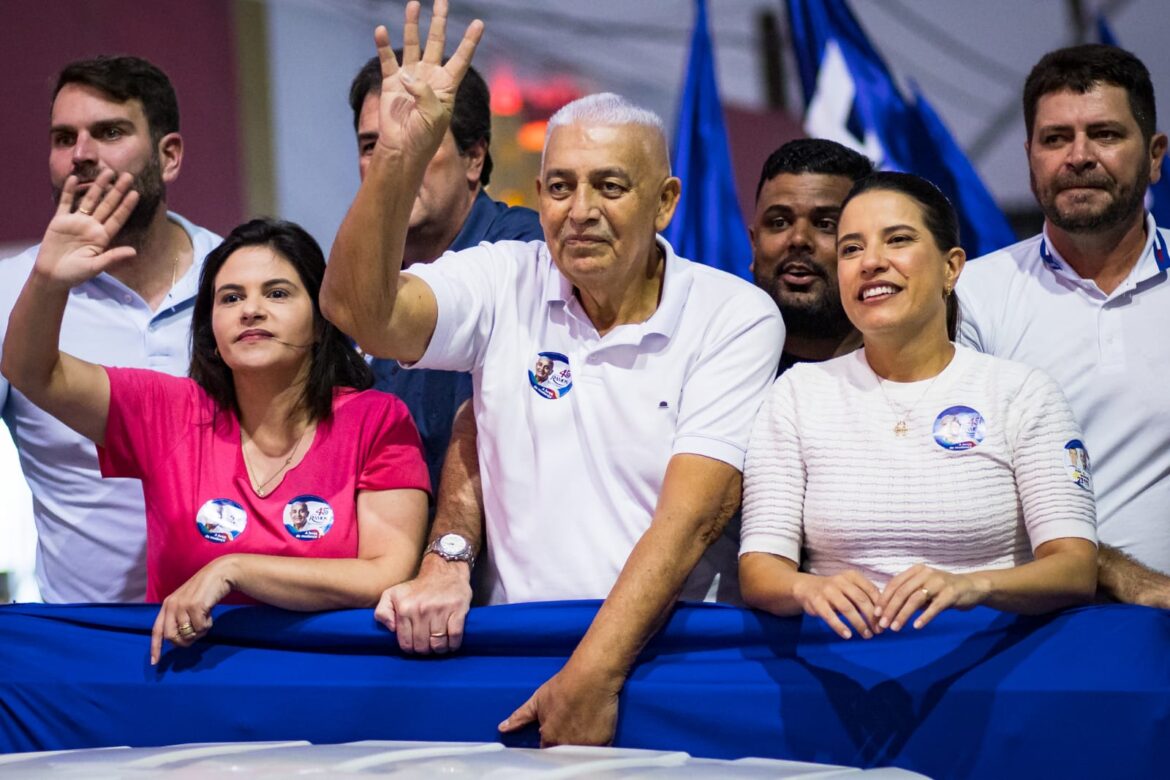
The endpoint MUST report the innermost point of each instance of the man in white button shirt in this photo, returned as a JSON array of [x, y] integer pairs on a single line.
[[1088, 300], [119, 113], [611, 476]]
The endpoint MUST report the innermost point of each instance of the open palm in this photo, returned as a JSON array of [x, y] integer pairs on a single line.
[[76, 246], [418, 95]]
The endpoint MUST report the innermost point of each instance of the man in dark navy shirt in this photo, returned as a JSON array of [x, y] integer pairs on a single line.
[[451, 212]]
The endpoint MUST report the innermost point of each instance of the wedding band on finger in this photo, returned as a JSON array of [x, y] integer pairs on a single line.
[[83, 211], [439, 635], [187, 630], [926, 593]]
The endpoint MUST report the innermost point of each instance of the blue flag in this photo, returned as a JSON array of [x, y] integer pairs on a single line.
[[851, 97], [1158, 196], [707, 226]]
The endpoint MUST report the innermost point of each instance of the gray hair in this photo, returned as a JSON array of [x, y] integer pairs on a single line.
[[605, 109]]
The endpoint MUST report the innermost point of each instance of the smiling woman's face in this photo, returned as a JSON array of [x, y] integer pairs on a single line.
[[891, 272]]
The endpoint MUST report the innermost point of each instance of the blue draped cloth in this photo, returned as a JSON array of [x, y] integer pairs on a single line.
[[1084, 693]]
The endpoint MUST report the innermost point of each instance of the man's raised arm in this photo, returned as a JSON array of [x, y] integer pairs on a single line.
[[363, 293]]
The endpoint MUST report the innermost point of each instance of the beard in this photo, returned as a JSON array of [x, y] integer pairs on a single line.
[[815, 314], [152, 192], [1127, 200]]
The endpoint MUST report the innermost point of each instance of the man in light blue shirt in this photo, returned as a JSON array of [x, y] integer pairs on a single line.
[[116, 113]]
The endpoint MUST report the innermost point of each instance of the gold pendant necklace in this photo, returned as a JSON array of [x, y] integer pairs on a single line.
[[901, 416], [260, 488]]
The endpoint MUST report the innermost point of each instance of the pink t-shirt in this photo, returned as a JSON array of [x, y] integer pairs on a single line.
[[200, 504]]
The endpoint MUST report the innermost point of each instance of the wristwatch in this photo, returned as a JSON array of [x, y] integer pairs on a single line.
[[453, 547]]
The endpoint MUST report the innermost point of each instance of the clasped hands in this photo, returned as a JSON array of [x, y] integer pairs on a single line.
[[850, 600]]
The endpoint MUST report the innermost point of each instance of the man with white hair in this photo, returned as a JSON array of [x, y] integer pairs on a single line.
[[618, 483]]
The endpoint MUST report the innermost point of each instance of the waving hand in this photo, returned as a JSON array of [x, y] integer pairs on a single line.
[[418, 95], [76, 246]]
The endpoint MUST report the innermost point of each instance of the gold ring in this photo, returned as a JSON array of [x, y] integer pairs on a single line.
[[926, 593], [439, 636], [187, 630], [86, 213]]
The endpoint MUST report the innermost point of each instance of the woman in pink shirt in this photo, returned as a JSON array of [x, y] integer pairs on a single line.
[[273, 473]]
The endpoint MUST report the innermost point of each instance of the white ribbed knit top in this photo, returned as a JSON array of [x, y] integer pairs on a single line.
[[990, 468]]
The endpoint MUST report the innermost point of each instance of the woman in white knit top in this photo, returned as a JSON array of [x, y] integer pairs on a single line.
[[913, 474]]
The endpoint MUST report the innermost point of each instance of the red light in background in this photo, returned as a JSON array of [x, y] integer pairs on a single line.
[[551, 92], [530, 136], [507, 99]]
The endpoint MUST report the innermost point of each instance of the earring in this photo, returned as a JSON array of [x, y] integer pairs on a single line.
[[217, 357]]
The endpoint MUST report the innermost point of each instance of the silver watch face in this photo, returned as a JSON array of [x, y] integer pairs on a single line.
[[451, 545]]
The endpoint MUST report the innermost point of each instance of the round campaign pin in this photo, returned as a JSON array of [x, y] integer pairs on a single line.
[[308, 517], [959, 428], [1077, 463], [550, 376], [221, 520]]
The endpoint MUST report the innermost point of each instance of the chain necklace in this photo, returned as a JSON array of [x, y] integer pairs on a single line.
[[260, 487], [901, 428]]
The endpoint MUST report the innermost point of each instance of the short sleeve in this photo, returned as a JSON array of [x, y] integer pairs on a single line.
[[149, 411], [465, 286], [774, 478], [394, 459], [728, 382], [1051, 462]]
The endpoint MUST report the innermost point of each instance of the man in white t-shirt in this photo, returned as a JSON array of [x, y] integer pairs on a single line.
[[1088, 300], [115, 113], [614, 476]]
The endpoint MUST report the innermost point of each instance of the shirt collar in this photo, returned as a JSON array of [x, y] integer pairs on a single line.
[[186, 286], [1152, 261], [677, 278]]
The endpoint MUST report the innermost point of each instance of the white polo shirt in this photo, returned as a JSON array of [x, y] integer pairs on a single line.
[[1110, 354], [91, 532], [575, 429]]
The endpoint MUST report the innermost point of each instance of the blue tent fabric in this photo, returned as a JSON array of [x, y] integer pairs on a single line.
[[707, 226], [907, 135], [1085, 693]]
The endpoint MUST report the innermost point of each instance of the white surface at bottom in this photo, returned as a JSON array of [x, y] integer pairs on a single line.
[[408, 760]]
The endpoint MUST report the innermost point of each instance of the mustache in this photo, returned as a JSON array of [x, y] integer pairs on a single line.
[[1071, 181], [86, 171]]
